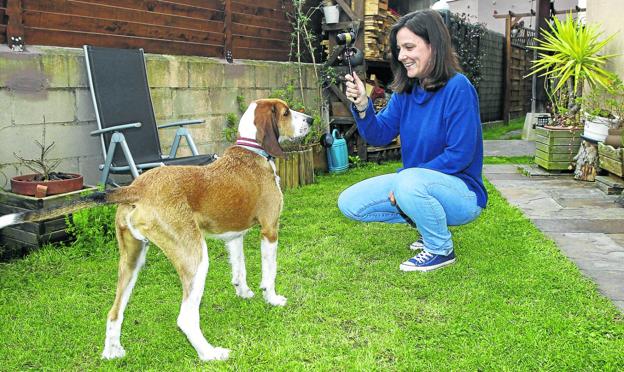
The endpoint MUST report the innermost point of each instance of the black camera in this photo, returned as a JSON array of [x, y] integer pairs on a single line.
[[345, 38], [351, 55]]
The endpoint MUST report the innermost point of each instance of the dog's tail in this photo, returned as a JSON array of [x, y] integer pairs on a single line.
[[115, 196]]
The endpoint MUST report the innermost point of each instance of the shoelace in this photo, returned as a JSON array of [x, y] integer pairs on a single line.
[[422, 257]]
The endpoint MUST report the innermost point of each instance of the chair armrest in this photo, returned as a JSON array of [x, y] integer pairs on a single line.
[[116, 128], [181, 123]]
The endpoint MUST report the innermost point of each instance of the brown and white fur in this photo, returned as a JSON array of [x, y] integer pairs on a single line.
[[173, 207]]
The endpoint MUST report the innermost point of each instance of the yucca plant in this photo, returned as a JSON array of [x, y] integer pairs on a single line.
[[568, 58]]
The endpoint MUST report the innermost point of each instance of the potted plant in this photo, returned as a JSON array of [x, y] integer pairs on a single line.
[[603, 109], [331, 11], [41, 190], [568, 58], [45, 181]]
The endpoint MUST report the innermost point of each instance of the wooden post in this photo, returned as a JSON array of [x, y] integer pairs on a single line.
[[15, 25], [227, 32], [507, 97], [541, 23]]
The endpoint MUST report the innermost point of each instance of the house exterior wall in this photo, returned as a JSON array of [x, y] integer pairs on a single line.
[[49, 85], [608, 15]]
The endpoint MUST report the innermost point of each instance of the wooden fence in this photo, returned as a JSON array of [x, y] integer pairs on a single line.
[[248, 29]]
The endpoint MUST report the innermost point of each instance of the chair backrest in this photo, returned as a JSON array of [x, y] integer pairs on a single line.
[[120, 91]]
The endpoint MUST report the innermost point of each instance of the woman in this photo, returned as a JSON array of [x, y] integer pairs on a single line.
[[435, 110]]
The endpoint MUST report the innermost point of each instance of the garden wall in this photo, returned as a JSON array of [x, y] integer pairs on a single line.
[[49, 85]]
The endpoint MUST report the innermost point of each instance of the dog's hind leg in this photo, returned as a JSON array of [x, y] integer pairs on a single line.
[[269, 267], [131, 258], [188, 252], [239, 272]]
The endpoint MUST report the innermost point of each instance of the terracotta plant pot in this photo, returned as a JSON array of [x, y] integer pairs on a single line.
[[26, 185]]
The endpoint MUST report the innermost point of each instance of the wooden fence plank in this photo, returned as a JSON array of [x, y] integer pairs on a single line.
[[157, 46], [210, 22], [261, 32], [276, 24], [200, 9], [58, 21]]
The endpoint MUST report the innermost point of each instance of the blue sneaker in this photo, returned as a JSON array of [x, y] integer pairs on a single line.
[[425, 261]]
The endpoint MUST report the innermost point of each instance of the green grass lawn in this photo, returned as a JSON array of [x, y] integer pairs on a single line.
[[501, 131], [512, 301]]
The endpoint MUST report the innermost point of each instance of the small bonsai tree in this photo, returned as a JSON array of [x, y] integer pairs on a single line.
[[42, 166]]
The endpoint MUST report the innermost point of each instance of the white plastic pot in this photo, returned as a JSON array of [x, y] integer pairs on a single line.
[[332, 14], [597, 128]]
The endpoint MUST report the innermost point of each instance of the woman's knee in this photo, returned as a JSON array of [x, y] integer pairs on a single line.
[[346, 204], [413, 182]]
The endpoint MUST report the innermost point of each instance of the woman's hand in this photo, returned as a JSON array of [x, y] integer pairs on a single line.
[[356, 92]]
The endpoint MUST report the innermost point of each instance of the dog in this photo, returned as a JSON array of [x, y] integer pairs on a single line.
[[174, 206]]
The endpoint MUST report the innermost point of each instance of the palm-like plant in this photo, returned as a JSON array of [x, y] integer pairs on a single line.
[[569, 57]]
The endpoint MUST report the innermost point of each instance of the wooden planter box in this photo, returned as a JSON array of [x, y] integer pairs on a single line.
[[555, 148], [611, 159], [17, 240], [297, 170]]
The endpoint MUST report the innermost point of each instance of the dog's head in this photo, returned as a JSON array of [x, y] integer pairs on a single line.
[[271, 120]]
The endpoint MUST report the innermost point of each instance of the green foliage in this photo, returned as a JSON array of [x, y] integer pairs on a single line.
[[93, 230], [512, 302], [466, 38], [569, 57], [230, 130], [605, 102], [355, 161]]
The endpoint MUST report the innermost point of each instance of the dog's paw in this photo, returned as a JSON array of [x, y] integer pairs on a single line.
[[113, 352], [276, 300], [244, 292], [215, 353]]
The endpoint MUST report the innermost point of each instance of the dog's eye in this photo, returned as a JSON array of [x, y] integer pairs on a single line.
[[286, 113]]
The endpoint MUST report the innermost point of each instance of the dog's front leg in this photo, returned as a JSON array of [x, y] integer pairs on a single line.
[[239, 272], [269, 272]]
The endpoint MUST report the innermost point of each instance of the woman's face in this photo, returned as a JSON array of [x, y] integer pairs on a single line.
[[414, 53]]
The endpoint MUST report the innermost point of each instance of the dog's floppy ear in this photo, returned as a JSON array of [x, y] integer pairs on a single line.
[[267, 132]]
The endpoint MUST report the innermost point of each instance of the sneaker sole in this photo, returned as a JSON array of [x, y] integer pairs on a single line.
[[408, 268]]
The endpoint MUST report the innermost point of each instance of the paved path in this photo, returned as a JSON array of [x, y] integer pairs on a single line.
[[586, 223]]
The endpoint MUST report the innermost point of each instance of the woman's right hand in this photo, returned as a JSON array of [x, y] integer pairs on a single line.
[[356, 92]]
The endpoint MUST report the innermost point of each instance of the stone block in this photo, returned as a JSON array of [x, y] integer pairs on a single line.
[[162, 100], [58, 107], [6, 100], [205, 73], [88, 166], [191, 102], [84, 105], [21, 72], [239, 75], [222, 101], [77, 70], [167, 71], [55, 68]]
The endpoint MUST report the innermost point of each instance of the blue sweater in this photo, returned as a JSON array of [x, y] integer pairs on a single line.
[[439, 130]]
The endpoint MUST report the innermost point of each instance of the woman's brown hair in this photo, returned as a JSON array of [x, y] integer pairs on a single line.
[[427, 24]]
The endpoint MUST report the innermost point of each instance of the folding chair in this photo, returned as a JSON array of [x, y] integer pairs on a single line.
[[125, 115]]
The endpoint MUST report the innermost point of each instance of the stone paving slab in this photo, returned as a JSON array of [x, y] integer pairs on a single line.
[[508, 148], [586, 224]]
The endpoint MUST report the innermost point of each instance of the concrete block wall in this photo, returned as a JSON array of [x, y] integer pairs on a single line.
[[47, 87]]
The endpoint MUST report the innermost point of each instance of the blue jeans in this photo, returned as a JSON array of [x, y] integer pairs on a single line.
[[431, 199]]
